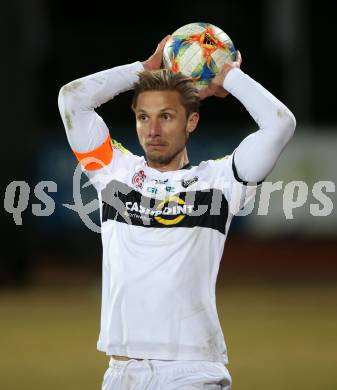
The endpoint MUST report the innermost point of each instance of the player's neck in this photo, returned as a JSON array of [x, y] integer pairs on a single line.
[[178, 162]]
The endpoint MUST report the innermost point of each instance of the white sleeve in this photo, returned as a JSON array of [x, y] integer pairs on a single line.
[[86, 131], [237, 193], [78, 99], [257, 154]]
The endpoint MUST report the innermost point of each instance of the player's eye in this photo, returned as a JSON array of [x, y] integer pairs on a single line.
[[142, 117], [166, 116]]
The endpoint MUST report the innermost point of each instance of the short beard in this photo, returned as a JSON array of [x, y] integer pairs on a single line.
[[164, 160]]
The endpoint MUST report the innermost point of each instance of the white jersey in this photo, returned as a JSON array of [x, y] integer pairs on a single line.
[[163, 233]]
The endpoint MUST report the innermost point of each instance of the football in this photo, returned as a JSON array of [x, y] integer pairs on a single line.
[[198, 50]]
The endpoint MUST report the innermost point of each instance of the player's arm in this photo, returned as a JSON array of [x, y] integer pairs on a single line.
[[257, 154], [86, 131]]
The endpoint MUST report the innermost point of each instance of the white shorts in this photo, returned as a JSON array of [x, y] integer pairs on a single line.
[[166, 375]]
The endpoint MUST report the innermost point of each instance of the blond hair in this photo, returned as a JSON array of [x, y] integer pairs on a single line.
[[166, 80]]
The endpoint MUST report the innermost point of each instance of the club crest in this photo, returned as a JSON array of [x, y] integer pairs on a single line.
[[138, 179]]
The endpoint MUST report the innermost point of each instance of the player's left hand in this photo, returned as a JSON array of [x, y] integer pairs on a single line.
[[215, 87], [155, 60]]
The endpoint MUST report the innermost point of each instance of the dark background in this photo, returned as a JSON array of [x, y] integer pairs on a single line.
[[287, 46], [276, 292]]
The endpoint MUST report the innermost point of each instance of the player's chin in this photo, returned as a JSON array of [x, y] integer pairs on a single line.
[[157, 156]]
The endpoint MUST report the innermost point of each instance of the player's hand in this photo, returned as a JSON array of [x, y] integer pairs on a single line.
[[215, 87], [154, 62]]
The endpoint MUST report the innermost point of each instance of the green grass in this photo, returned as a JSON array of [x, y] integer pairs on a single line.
[[281, 337], [278, 337]]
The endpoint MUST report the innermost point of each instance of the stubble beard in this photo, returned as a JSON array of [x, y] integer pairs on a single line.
[[165, 159]]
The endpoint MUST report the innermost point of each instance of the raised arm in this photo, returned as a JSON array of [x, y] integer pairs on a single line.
[[258, 153], [77, 100]]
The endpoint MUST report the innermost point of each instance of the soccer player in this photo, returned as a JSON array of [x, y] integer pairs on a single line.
[[164, 222]]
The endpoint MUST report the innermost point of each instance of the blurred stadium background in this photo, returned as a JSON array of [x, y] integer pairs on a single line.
[[277, 291]]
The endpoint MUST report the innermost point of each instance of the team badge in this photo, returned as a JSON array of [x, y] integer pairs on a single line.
[[138, 179]]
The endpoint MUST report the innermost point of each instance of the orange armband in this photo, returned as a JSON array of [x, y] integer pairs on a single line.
[[97, 158]]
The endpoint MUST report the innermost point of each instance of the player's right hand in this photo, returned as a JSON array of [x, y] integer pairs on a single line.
[[155, 60], [215, 87]]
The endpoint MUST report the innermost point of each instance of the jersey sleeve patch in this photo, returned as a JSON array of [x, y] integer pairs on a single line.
[[97, 158], [222, 158], [119, 146]]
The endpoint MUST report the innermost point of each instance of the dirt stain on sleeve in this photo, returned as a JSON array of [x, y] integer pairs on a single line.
[[281, 112], [71, 87], [69, 122]]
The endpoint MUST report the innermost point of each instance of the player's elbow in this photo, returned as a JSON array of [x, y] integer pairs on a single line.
[[60, 100], [65, 94], [67, 105], [288, 124], [67, 97], [284, 127]]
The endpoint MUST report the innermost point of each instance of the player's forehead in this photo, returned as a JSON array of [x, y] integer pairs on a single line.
[[158, 101]]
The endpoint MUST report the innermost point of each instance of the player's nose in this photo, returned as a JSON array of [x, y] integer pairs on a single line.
[[154, 128]]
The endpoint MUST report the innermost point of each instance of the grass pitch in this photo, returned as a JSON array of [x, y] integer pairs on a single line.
[[278, 337]]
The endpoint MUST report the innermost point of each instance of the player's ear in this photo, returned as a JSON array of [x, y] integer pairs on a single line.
[[192, 121]]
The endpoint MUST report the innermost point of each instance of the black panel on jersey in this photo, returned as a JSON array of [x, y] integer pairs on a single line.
[[207, 208], [237, 178]]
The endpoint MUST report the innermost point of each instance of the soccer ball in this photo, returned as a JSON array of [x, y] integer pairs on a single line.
[[199, 51]]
